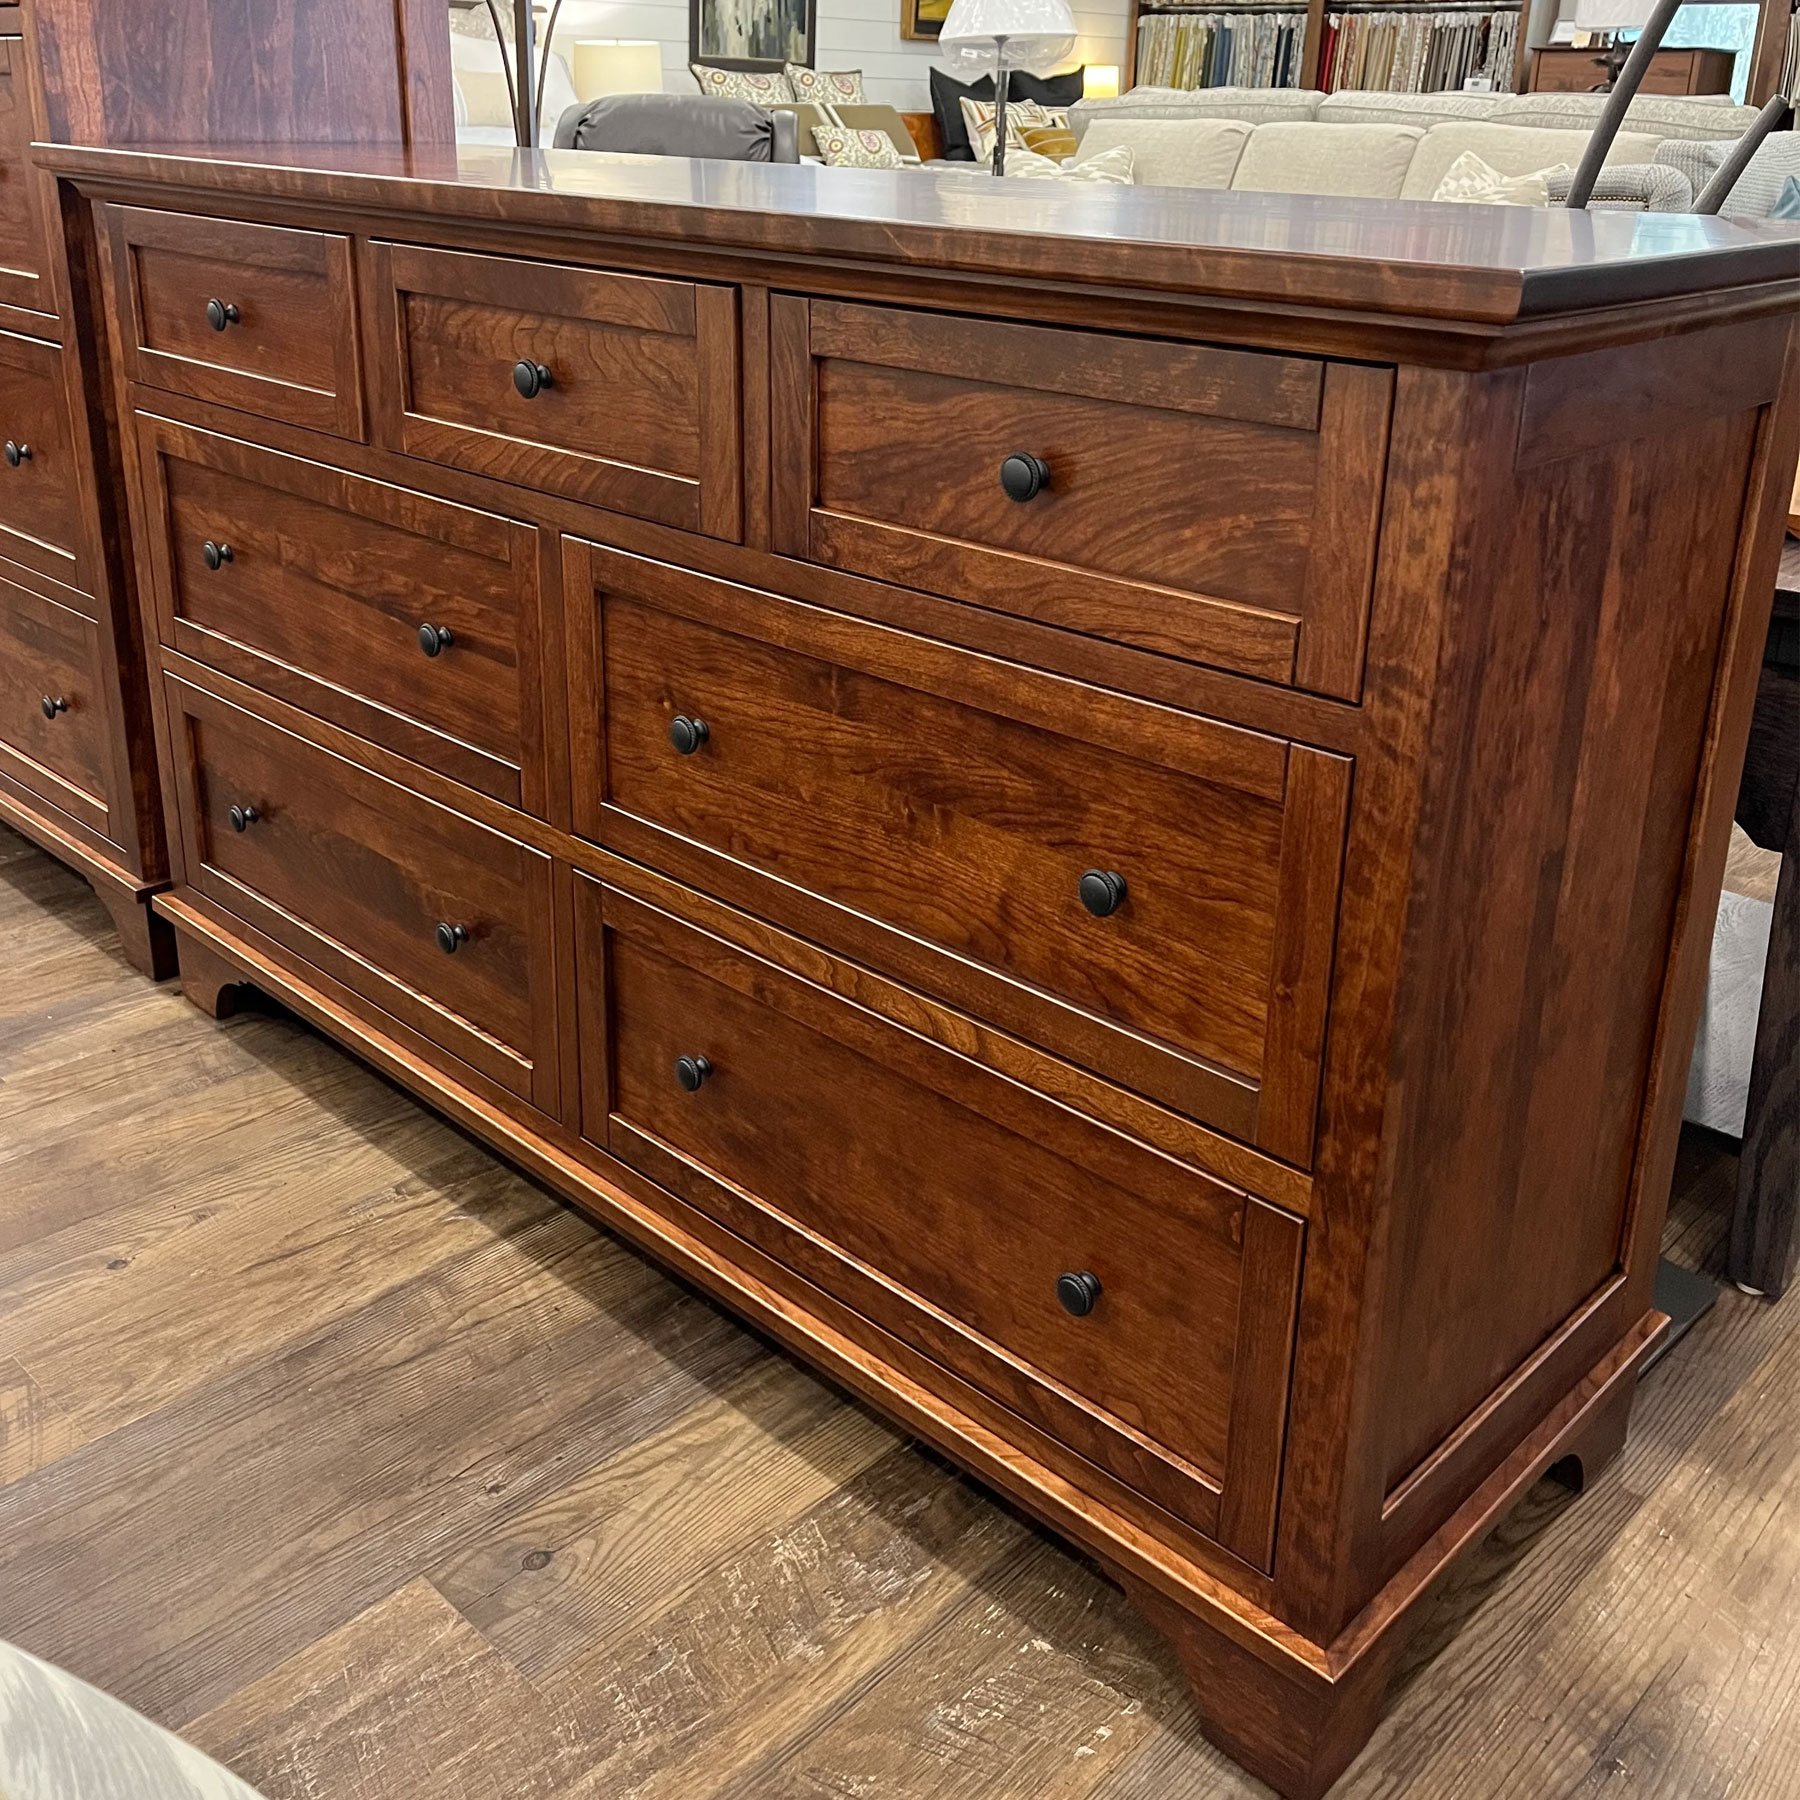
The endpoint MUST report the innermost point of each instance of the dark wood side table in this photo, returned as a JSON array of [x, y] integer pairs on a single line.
[[1562, 69], [1764, 1239]]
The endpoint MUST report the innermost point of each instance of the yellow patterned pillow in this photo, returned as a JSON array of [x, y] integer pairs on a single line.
[[843, 148], [1058, 142]]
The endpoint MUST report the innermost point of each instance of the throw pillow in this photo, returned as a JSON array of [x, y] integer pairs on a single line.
[[1021, 116], [1787, 203], [767, 87], [843, 148], [826, 87], [1473, 182], [1057, 142], [947, 96], [1112, 166]]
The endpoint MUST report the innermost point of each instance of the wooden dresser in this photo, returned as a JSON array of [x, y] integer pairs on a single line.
[[77, 756], [1100, 809]]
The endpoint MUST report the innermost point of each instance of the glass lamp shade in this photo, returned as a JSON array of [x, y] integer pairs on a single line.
[[1038, 34]]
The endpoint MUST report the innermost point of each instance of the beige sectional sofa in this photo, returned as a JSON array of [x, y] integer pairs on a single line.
[[1395, 146]]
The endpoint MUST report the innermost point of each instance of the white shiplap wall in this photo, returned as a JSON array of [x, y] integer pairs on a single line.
[[852, 34]]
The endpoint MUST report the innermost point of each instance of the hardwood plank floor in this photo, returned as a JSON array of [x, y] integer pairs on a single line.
[[333, 1442]]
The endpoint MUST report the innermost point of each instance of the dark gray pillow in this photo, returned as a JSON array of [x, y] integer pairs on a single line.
[[947, 97]]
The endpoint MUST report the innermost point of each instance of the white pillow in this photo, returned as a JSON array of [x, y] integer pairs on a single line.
[[1364, 161], [1190, 153], [1112, 165], [1511, 149], [487, 100], [459, 104], [1472, 182]]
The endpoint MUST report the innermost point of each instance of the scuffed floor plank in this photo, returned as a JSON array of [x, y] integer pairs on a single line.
[[409, 1684]]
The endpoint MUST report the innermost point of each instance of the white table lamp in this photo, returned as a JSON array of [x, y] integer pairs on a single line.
[[1004, 35], [605, 66]]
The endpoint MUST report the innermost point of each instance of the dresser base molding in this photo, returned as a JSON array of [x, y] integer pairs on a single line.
[[146, 939], [1293, 1712]]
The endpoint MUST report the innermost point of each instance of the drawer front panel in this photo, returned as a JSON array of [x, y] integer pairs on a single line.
[[948, 809], [53, 732], [39, 524], [359, 875], [630, 384], [1219, 506], [260, 317], [946, 1203], [24, 256], [329, 583]]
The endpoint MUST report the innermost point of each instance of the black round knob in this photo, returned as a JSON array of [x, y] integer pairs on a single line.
[[220, 313], [1078, 1292], [687, 735], [434, 640], [1024, 477], [531, 378], [243, 817], [17, 453], [690, 1071], [53, 704], [215, 556], [451, 938], [1102, 891]]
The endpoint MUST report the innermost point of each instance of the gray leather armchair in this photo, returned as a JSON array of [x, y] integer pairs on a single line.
[[681, 125]]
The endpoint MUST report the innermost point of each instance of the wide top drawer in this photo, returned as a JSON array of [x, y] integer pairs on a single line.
[[260, 317], [1215, 505], [618, 390]]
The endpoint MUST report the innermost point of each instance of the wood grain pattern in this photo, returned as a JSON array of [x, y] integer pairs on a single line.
[[292, 353], [316, 71], [40, 519], [330, 581], [951, 826], [641, 414], [356, 874], [48, 653], [25, 261], [1179, 514], [666, 990]]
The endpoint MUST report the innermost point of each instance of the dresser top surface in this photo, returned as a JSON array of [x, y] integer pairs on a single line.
[[1494, 265]]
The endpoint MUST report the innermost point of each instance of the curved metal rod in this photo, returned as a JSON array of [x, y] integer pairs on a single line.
[[1637, 66], [1717, 191]]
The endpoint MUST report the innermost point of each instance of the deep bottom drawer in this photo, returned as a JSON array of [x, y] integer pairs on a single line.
[[956, 1209], [53, 736], [431, 915]]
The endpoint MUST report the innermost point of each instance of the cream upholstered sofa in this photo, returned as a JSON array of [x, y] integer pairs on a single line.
[[1397, 146]]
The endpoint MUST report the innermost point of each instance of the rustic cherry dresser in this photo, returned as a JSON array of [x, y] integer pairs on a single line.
[[77, 755], [1100, 809]]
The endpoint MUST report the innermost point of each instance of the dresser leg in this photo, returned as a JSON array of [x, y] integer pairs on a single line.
[[1298, 1736], [146, 938], [207, 978]]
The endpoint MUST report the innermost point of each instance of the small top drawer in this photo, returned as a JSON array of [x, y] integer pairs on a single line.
[[40, 527], [1215, 505], [405, 618], [620, 390], [1148, 893], [259, 317]]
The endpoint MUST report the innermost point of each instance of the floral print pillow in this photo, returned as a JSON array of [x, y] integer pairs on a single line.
[[827, 87], [766, 87], [843, 148]]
